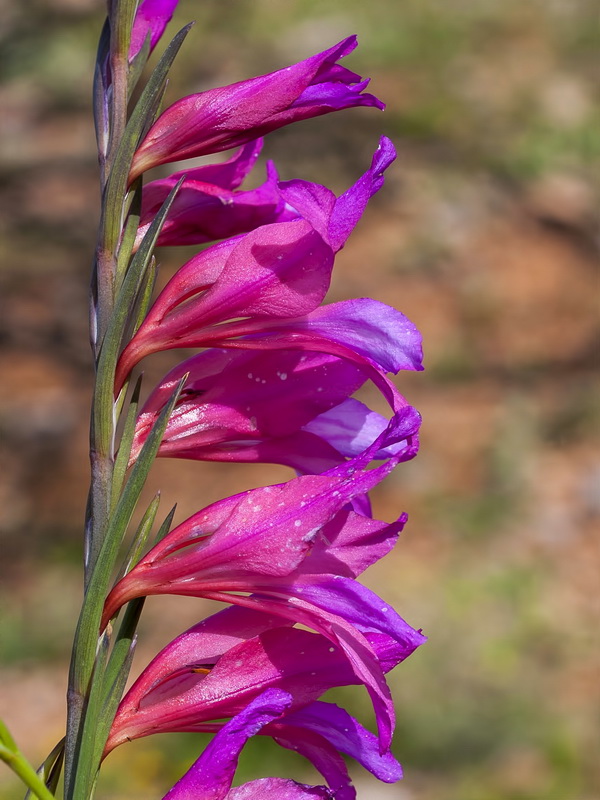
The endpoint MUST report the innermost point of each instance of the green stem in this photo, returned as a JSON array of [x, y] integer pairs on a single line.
[[101, 438], [21, 767]]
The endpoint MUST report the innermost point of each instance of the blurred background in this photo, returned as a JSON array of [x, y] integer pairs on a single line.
[[486, 236]]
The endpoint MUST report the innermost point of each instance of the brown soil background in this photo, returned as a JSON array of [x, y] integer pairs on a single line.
[[486, 235]]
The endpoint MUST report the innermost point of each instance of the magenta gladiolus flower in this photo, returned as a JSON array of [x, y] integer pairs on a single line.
[[226, 411], [219, 119], [263, 289], [253, 550], [225, 662], [210, 778], [208, 208], [216, 667], [233, 541]]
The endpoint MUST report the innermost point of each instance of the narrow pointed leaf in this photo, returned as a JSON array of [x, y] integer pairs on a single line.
[[142, 115], [85, 767], [145, 295], [126, 300], [141, 535], [122, 458], [136, 67], [135, 483], [154, 110], [165, 527], [89, 622], [129, 233], [55, 770], [116, 674]]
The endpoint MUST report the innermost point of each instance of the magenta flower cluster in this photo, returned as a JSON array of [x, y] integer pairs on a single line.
[[272, 383]]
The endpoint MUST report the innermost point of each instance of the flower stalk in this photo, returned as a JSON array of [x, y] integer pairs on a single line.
[[16, 761]]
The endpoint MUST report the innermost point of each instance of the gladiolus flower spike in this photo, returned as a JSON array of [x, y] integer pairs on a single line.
[[274, 382]]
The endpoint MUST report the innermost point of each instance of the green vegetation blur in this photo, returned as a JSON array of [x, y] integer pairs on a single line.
[[486, 237]]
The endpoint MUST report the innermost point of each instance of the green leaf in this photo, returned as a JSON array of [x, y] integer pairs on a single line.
[[126, 300], [145, 296], [86, 637], [136, 67], [166, 526], [129, 233], [86, 769], [124, 452], [154, 110], [117, 672], [108, 685], [141, 536], [53, 776], [142, 115], [139, 472]]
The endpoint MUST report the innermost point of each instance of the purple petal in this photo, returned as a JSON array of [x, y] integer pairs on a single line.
[[335, 726], [349, 608], [356, 646], [212, 774], [226, 410], [233, 115], [335, 218], [217, 667], [278, 789], [351, 427], [354, 602], [350, 206], [320, 752], [351, 543], [375, 337], [278, 270], [249, 525], [228, 174], [204, 212], [152, 17], [373, 329], [312, 201]]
